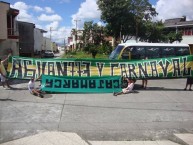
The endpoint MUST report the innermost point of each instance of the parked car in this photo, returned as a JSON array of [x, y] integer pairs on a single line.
[[48, 54]]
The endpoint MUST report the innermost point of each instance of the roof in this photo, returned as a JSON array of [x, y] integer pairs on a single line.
[[5, 2], [178, 22], [42, 31], [14, 12], [154, 44]]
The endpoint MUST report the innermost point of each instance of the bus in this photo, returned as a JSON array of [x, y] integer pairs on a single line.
[[138, 51]]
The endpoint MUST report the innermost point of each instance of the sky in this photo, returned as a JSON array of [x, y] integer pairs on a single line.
[[63, 15]]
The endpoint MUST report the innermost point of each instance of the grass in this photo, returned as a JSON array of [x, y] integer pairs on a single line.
[[81, 54]]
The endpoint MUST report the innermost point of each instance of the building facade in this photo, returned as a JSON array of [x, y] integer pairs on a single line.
[[184, 26], [75, 41], [9, 36]]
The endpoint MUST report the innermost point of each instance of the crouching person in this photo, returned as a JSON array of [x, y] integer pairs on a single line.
[[3, 74], [33, 90], [128, 89]]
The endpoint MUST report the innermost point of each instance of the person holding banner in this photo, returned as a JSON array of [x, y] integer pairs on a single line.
[[3, 73], [144, 83], [144, 80], [189, 82], [33, 90], [126, 90]]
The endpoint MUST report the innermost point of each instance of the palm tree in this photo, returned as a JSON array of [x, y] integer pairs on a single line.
[[74, 33]]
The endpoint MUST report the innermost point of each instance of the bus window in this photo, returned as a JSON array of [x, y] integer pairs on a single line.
[[116, 52], [180, 51], [152, 52], [168, 52], [138, 52], [125, 53]]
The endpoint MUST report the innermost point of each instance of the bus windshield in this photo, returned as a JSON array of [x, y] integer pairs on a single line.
[[115, 53]]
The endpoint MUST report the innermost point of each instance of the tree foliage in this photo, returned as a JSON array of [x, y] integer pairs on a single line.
[[134, 18], [174, 36], [125, 16], [93, 38], [155, 32]]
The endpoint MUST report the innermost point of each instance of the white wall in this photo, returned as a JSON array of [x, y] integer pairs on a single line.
[[38, 40], [187, 39], [47, 45]]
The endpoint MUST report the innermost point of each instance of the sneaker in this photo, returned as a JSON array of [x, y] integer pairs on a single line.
[[184, 89], [114, 94], [41, 96], [190, 89]]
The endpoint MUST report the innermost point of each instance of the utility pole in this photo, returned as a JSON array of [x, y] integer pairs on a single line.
[[76, 21], [120, 34], [50, 33]]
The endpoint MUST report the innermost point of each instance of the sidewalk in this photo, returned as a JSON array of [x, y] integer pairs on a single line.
[[62, 138]]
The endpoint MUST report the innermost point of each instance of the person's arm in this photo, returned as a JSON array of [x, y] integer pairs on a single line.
[[31, 86], [2, 61], [39, 78], [129, 85]]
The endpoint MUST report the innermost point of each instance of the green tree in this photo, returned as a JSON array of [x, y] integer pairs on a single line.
[[143, 12], [125, 17], [174, 36], [74, 33], [93, 37], [86, 38], [153, 32]]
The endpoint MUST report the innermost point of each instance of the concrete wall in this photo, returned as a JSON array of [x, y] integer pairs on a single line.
[[7, 45], [4, 7]]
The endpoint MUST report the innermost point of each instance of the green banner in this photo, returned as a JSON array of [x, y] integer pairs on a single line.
[[172, 67], [81, 84]]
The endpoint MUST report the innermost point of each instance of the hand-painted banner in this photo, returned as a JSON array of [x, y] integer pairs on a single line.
[[107, 84], [173, 67]]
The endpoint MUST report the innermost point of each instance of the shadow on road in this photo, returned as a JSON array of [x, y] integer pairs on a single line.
[[17, 81], [138, 87], [7, 100], [24, 88]]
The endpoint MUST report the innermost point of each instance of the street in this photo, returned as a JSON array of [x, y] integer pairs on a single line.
[[156, 113]]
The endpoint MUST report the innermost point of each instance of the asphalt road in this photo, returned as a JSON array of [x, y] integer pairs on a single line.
[[152, 114]]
